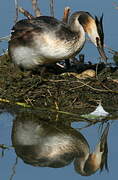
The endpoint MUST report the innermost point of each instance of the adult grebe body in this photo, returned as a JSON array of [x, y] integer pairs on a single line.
[[44, 40]]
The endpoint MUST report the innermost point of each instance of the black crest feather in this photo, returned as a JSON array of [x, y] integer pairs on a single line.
[[99, 25]]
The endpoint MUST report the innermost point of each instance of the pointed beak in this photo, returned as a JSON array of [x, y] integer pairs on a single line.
[[101, 52]]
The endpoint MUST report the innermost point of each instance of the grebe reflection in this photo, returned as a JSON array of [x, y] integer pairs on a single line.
[[47, 145]]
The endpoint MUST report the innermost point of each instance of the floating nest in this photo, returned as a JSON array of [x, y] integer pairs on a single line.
[[61, 88]]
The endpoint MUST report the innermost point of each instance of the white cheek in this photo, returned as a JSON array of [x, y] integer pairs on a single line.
[[93, 34]]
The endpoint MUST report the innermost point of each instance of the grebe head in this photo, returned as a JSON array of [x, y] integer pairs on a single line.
[[94, 28], [89, 164]]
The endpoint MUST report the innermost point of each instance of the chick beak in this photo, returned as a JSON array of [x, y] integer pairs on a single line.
[[101, 52]]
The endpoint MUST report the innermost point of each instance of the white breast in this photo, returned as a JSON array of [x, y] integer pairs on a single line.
[[24, 56], [45, 49]]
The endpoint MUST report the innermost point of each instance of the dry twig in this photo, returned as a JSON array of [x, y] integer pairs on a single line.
[[52, 8], [25, 13], [95, 89], [14, 169], [36, 8], [6, 38], [66, 14], [17, 11]]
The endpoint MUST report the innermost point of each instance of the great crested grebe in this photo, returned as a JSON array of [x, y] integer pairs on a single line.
[[42, 144], [44, 40]]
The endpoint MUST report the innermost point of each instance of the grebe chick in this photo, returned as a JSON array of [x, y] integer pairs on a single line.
[[44, 40]]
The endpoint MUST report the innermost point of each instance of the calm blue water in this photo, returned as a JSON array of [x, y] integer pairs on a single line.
[[24, 171]]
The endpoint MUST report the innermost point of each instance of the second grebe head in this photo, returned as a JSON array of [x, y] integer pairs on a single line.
[[94, 28]]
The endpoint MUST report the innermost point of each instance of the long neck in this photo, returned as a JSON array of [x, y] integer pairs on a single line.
[[79, 165], [89, 25], [74, 24], [90, 163], [77, 28]]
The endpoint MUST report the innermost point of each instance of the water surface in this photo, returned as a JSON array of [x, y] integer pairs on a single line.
[[12, 123]]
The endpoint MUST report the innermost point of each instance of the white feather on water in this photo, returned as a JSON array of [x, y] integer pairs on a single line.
[[99, 111]]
